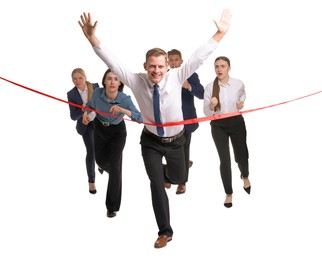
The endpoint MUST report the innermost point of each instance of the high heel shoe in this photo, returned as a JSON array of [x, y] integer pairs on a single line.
[[92, 188], [228, 204], [247, 189]]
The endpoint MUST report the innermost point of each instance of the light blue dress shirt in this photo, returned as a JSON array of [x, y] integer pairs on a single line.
[[100, 103]]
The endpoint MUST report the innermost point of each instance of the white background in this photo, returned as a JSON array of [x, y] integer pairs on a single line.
[[46, 210]]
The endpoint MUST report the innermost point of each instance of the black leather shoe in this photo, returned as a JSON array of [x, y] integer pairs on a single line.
[[111, 214], [100, 170]]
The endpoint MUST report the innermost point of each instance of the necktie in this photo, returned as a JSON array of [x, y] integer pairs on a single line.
[[156, 109]]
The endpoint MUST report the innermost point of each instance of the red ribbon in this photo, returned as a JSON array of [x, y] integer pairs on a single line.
[[220, 116], [184, 122], [61, 100]]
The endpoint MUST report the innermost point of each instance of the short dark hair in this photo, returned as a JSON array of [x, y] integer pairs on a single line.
[[175, 52]]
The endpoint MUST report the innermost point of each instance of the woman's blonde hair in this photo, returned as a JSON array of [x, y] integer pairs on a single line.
[[89, 85], [80, 71]]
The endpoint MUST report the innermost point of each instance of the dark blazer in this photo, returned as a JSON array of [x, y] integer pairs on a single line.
[[188, 104], [76, 113]]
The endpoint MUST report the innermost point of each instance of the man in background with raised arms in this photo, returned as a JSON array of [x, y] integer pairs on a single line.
[[190, 88]]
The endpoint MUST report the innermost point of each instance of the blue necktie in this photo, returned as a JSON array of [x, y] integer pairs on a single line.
[[156, 109]]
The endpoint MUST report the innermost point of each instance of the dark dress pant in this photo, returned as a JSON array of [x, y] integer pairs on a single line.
[[88, 139], [186, 148], [153, 151], [109, 144], [233, 129]]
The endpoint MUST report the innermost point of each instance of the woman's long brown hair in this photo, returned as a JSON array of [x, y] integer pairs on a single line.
[[215, 89]]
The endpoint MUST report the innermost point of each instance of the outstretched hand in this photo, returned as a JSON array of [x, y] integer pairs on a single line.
[[88, 28], [223, 25]]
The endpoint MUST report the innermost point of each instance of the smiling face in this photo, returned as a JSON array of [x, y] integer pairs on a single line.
[[156, 65]]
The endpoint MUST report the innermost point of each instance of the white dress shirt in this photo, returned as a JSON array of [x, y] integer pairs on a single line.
[[229, 95], [83, 94], [169, 88]]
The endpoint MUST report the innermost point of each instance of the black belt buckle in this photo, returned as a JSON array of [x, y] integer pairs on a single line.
[[105, 124], [166, 140]]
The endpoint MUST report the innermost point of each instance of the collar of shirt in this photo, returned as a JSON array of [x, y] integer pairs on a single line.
[[82, 91], [224, 85], [161, 84], [83, 94], [117, 100]]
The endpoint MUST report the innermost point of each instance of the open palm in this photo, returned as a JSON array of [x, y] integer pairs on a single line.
[[87, 25], [224, 23]]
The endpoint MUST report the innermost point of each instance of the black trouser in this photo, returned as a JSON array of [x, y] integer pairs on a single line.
[[88, 139], [222, 130], [153, 151], [109, 145], [187, 153], [186, 149]]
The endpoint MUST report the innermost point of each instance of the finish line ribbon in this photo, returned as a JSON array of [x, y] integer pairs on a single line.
[[184, 122], [221, 116]]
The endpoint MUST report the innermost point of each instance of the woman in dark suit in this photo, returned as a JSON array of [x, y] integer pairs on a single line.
[[80, 94]]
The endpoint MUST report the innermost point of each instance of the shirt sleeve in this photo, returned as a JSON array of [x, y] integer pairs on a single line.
[[196, 88], [196, 59], [207, 100], [129, 78], [242, 93], [135, 113]]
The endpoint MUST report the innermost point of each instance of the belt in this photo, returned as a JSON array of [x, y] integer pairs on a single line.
[[106, 124], [164, 140]]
